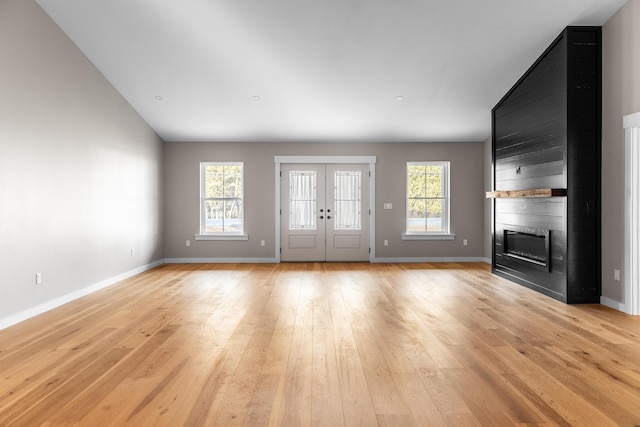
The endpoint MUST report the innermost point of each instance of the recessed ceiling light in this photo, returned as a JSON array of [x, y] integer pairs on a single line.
[[158, 98], [399, 98], [256, 98]]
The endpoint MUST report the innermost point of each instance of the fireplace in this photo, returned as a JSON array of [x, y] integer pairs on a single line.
[[530, 247], [546, 155]]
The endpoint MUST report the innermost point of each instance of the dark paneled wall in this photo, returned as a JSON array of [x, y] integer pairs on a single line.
[[546, 134]]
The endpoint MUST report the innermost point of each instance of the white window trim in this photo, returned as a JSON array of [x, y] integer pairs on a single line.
[[441, 235], [224, 235], [430, 236], [219, 236]]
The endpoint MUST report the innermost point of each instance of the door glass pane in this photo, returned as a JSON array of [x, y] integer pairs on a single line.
[[348, 200], [302, 200]]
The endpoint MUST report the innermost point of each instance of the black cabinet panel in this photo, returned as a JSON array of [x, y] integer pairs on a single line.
[[547, 134]]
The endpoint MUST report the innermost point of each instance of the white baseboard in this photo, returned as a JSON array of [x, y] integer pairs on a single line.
[[274, 260], [50, 305], [615, 305], [220, 260], [428, 259]]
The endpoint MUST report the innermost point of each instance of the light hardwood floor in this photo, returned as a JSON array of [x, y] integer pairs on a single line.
[[321, 345]]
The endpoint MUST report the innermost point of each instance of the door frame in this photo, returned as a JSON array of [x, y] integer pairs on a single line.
[[631, 279], [370, 160]]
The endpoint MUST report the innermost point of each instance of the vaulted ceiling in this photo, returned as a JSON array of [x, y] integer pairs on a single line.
[[323, 70]]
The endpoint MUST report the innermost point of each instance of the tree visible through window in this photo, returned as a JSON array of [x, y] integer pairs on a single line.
[[221, 198], [427, 197]]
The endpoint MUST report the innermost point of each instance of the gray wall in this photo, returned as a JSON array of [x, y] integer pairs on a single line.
[[80, 171], [182, 197], [621, 96]]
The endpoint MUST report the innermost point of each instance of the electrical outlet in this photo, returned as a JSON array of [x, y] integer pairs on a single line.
[[262, 242], [388, 205], [386, 243], [464, 242], [38, 278], [616, 274], [188, 243]]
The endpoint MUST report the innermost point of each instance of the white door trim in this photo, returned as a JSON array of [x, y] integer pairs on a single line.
[[631, 124], [371, 160]]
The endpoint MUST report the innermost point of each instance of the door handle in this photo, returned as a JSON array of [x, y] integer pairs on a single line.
[[321, 217], [328, 217]]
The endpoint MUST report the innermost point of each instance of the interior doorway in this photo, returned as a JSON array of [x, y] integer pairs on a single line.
[[325, 209]]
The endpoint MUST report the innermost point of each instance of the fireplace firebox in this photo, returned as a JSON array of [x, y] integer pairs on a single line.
[[530, 247]]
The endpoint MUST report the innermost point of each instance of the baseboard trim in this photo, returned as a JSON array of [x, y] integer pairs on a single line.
[[275, 260], [220, 260], [427, 259], [608, 302], [64, 299]]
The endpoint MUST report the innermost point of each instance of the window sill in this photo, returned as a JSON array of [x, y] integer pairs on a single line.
[[222, 237], [442, 236]]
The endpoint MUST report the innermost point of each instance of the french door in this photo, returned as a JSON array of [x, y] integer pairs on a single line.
[[324, 212]]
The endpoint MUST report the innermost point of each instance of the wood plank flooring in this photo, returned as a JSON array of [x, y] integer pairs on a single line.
[[321, 345]]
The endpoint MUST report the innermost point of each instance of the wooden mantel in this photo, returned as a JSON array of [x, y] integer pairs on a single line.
[[538, 192]]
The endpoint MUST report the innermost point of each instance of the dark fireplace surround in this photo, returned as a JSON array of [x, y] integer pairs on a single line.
[[546, 144]]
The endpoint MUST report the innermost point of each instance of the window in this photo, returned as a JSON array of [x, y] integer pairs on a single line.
[[221, 200], [427, 200]]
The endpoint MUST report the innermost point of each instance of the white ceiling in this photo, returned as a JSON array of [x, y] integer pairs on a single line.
[[322, 70]]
